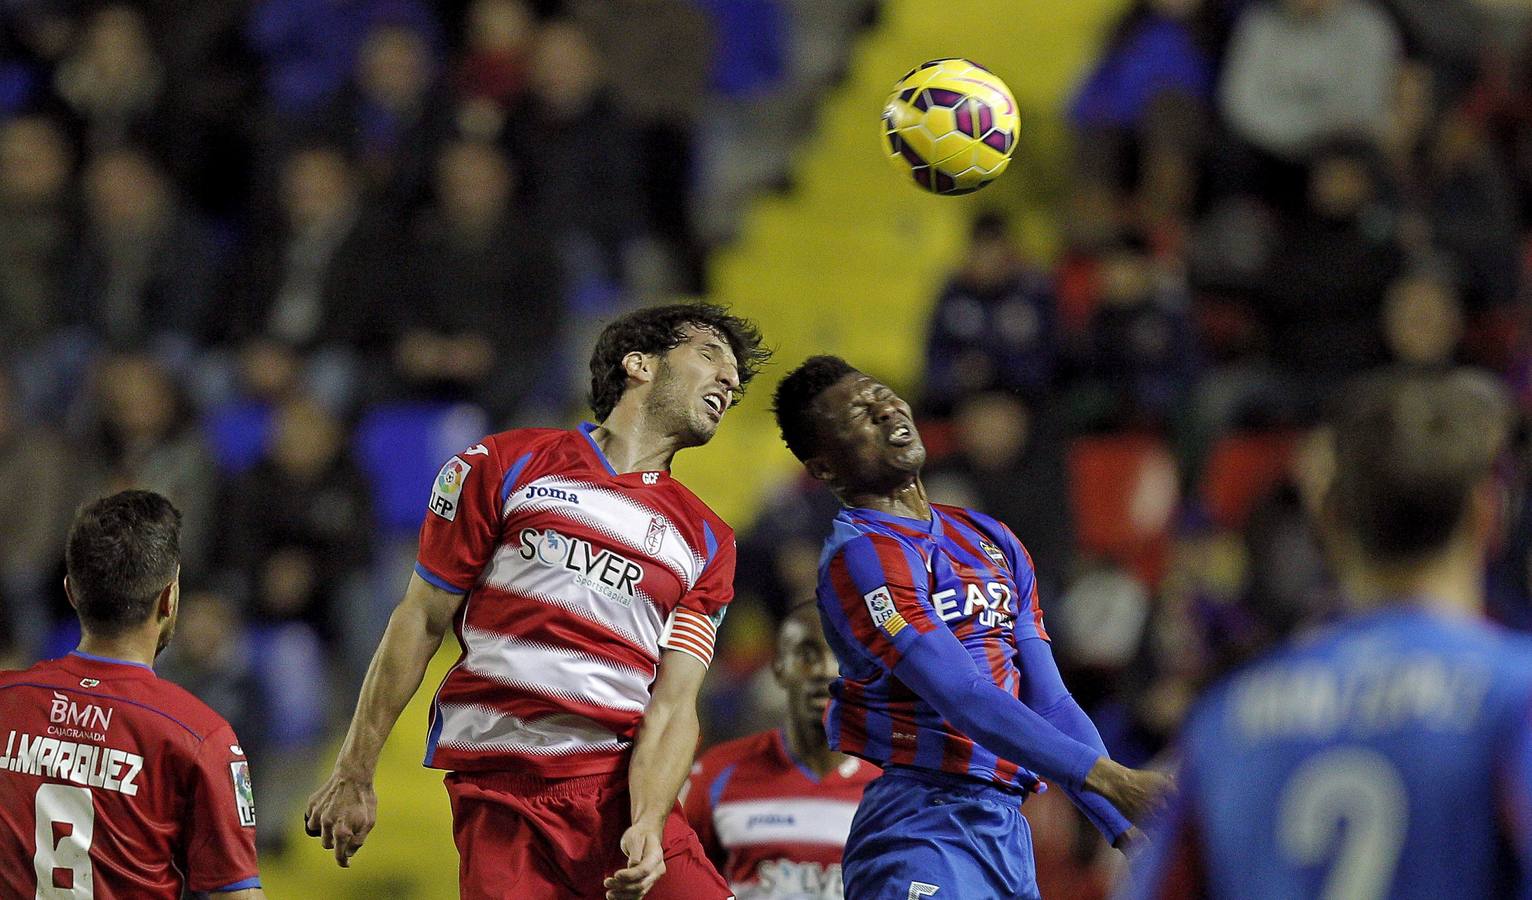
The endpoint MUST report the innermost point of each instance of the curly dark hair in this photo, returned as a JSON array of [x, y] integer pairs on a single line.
[[795, 398], [658, 329]]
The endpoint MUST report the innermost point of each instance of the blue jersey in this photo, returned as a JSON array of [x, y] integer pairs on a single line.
[[1387, 756]]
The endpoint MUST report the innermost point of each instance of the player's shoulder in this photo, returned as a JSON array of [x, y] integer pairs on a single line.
[[729, 753], [853, 536], [516, 442], [700, 511], [184, 709]]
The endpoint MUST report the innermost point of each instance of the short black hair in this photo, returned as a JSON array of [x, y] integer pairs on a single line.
[[1411, 445], [658, 329], [794, 401], [122, 551]]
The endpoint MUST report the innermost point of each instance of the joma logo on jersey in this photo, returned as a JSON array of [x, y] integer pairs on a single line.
[[610, 574], [535, 493], [992, 602], [64, 711]]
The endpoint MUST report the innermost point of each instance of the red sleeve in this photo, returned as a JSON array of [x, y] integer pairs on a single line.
[[221, 856], [693, 625], [698, 807], [462, 524]]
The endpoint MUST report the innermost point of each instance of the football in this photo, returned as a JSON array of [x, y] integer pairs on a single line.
[[950, 124]]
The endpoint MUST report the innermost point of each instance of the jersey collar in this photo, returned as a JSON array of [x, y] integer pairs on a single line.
[[933, 526], [90, 663], [587, 429]]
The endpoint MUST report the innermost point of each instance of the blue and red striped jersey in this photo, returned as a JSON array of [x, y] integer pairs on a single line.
[[886, 580]]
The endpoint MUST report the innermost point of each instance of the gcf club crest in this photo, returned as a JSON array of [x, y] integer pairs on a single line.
[[655, 537], [447, 490]]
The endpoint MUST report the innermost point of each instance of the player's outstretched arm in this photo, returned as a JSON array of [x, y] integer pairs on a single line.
[[1042, 689], [344, 809], [662, 757]]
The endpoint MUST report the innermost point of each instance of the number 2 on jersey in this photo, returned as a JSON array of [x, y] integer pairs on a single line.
[[66, 821], [1357, 787]]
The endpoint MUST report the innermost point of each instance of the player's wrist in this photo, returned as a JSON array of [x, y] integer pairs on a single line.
[[1104, 777], [354, 773]]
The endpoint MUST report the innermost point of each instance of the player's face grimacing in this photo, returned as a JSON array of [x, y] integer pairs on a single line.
[[805, 666], [868, 436], [695, 385]]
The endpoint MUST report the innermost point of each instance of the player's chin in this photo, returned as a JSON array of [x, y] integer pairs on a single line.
[[908, 458]]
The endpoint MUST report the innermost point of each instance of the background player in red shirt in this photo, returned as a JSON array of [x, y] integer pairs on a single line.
[[773, 809], [115, 784], [585, 586]]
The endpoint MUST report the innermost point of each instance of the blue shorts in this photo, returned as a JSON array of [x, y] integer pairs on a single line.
[[927, 834]]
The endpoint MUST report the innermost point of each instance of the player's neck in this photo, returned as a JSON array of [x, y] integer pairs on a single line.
[[810, 746], [133, 647], [631, 444], [1450, 583], [908, 500]]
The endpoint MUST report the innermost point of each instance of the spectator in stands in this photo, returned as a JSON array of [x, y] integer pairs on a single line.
[[297, 525], [144, 436], [113, 84], [144, 275], [1297, 74], [1150, 87], [1142, 353], [571, 141], [36, 230], [1423, 319], [308, 48], [321, 280], [1472, 212], [1321, 293], [994, 325], [37, 486], [211, 656], [491, 76], [486, 296], [393, 113], [1009, 462]]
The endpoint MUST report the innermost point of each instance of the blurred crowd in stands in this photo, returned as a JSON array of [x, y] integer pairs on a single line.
[[1266, 196], [277, 258]]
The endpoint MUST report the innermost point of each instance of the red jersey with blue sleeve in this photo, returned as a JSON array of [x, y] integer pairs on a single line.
[[576, 578], [1388, 756], [773, 828], [944, 660], [118, 785]]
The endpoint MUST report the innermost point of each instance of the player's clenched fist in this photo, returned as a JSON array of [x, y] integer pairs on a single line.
[[1135, 792], [341, 814], [643, 845]]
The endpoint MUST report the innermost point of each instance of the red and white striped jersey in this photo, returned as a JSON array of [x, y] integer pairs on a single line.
[[576, 578], [774, 829]]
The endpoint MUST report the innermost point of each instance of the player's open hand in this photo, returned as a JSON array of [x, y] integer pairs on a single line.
[[341, 814], [644, 847]]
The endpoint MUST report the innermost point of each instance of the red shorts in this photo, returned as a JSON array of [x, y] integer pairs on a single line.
[[530, 838]]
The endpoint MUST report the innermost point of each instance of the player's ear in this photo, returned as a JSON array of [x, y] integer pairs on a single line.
[[819, 468], [639, 366], [170, 599], [69, 592]]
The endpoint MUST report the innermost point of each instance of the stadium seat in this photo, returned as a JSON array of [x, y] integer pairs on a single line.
[[1124, 489], [1241, 470], [238, 434], [401, 446]]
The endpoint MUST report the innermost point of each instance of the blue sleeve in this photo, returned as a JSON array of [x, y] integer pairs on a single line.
[[1515, 791], [937, 668], [1044, 691]]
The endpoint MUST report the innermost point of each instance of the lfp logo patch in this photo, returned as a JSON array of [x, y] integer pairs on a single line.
[[447, 492], [244, 793]]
